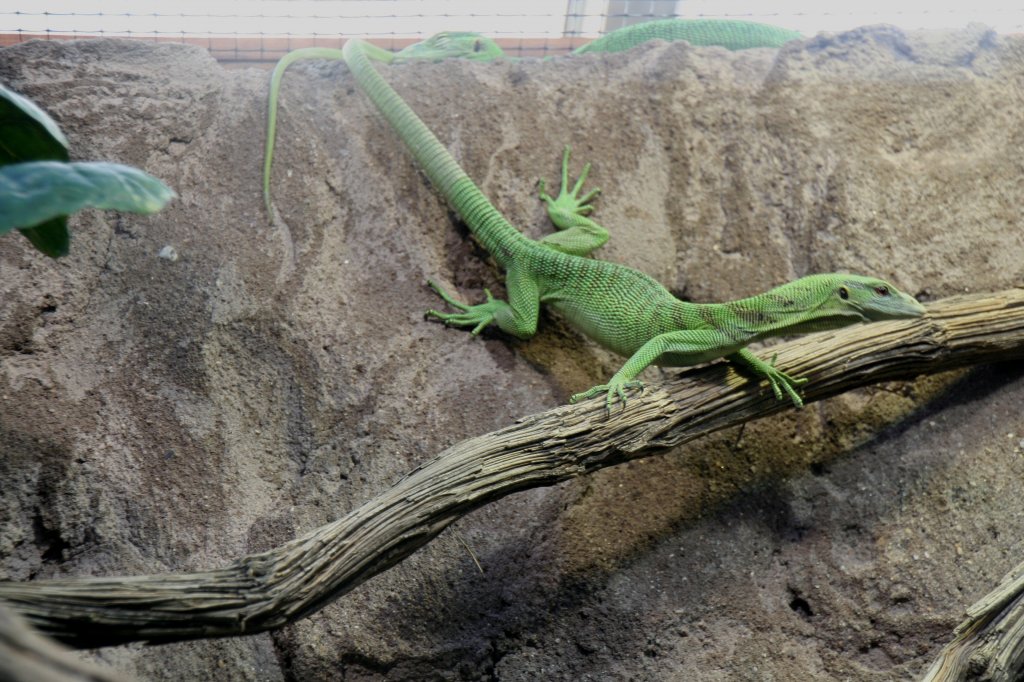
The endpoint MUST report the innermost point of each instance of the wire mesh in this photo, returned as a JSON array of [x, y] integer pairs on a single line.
[[264, 30]]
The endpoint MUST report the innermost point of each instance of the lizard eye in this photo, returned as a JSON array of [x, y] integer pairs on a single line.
[[844, 293], [882, 291]]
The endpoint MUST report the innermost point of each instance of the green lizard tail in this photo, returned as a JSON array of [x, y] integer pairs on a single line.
[[275, 92], [328, 53], [728, 33], [734, 35], [494, 233]]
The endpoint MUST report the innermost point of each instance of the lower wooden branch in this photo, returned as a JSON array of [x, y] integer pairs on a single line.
[[26, 656], [989, 643], [268, 590]]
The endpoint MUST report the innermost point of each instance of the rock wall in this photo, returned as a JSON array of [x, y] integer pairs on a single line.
[[170, 415]]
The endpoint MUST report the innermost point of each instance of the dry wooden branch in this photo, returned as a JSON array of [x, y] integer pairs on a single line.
[[268, 590], [26, 656], [989, 643]]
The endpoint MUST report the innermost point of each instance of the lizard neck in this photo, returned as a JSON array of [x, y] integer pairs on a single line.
[[784, 310]]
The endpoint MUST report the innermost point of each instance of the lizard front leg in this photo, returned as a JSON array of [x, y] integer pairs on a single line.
[[517, 316], [687, 347], [577, 235], [779, 380]]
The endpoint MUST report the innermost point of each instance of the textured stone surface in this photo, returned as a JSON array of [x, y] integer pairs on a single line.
[[160, 415]]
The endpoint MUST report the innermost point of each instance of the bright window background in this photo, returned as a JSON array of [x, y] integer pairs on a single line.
[[513, 18], [286, 17], [263, 30]]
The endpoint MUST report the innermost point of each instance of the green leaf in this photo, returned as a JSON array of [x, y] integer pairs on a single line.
[[27, 133], [37, 192], [51, 237]]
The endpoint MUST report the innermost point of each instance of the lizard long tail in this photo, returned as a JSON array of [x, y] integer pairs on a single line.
[[495, 233], [275, 91]]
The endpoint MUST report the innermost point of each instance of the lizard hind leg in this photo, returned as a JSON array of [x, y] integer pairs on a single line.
[[477, 316], [578, 235], [517, 316]]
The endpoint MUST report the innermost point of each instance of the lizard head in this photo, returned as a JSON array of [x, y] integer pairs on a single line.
[[869, 298], [453, 45], [826, 301]]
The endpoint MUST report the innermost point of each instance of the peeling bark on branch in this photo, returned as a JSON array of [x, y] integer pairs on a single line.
[[265, 591], [989, 643], [26, 656]]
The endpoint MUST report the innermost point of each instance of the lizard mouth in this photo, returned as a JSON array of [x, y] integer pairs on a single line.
[[899, 307]]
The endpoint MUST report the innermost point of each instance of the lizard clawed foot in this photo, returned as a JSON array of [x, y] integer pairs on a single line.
[[611, 390], [781, 381], [476, 316], [568, 200]]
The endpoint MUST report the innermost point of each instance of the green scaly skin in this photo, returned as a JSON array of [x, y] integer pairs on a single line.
[[623, 309], [727, 33]]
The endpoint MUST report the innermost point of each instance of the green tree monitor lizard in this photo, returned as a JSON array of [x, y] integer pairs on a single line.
[[621, 308]]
